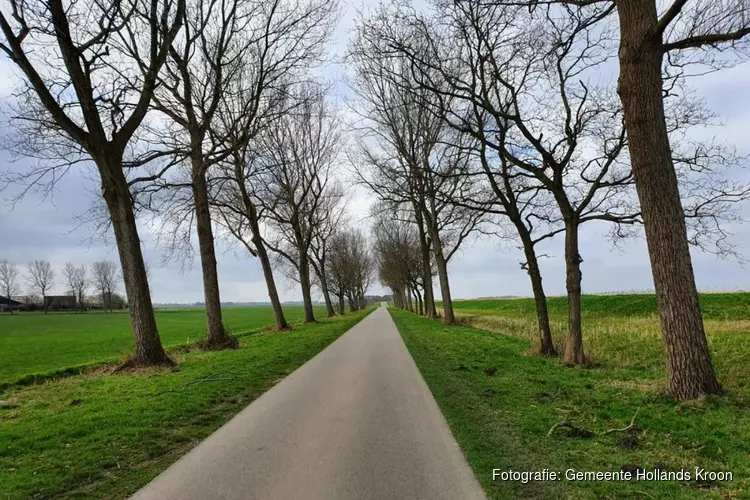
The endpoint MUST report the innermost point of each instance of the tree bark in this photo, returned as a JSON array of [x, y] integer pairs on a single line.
[[574, 354], [116, 193], [260, 250], [320, 273], [429, 296], [216, 336], [445, 289], [409, 306], [690, 373], [342, 305], [418, 299], [304, 279], [546, 346], [449, 317]]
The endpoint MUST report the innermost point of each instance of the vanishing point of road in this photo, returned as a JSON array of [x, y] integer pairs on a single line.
[[356, 422]]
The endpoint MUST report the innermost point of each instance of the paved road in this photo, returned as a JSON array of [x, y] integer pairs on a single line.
[[357, 422]]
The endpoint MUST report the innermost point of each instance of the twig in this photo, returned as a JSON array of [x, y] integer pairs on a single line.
[[568, 425], [210, 378], [624, 429], [564, 423]]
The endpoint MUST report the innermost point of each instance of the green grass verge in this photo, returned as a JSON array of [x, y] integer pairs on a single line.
[[73, 340], [718, 306], [501, 418], [99, 435]]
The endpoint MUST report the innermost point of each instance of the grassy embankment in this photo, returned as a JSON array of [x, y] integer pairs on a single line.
[[501, 401], [99, 435], [38, 344]]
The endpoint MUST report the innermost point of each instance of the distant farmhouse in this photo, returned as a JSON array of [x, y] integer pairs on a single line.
[[8, 304]]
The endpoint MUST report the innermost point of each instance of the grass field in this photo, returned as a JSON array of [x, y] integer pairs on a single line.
[[715, 306], [501, 402], [35, 343], [622, 331], [102, 436]]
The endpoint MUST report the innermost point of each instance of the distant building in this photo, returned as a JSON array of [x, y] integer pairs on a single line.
[[60, 302], [8, 304]]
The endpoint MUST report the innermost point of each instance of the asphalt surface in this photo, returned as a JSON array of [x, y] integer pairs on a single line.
[[355, 422]]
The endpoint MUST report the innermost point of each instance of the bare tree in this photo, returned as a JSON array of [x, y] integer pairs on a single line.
[[88, 83], [41, 279], [398, 260], [504, 192], [286, 39], [549, 119], [417, 158], [645, 39], [104, 278], [76, 278], [585, 17], [201, 64], [331, 219], [349, 268], [9, 279], [297, 182], [686, 32]]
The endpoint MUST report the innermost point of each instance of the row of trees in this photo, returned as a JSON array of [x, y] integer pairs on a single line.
[[103, 276], [494, 117], [204, 118]]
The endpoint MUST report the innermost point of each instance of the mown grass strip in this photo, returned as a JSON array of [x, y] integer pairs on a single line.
[[98, 435], [718, 306], [501, 403]]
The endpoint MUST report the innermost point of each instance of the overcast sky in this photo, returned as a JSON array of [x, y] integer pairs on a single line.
[[37, 229]]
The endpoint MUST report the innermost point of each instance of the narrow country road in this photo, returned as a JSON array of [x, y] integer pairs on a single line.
[[355, 422]]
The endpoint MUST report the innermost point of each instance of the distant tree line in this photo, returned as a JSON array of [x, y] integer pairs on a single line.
[[41, 279]]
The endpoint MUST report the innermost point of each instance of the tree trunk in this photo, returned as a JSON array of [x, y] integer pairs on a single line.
[[116, 193], [273, 294], [445, 289], [320, 273], [574, 354], [690, 373], [419, 302], [409, 306], [265, 261], [304, 279], [429, 297], [449, 317], [342, 306], [216, 336], [546, 346]]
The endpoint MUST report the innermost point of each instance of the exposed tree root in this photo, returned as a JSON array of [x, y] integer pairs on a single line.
[[575, 431], [211, 378], [229, 342], [133, 365]]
